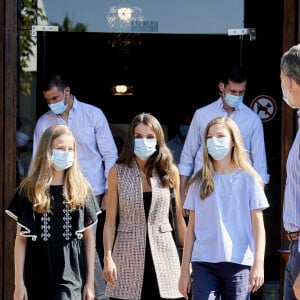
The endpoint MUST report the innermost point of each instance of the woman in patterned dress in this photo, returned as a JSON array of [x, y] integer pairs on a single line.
[[55, 211], [140, 256]]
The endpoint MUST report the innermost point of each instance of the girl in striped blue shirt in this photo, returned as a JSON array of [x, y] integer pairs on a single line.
[[225, 238]]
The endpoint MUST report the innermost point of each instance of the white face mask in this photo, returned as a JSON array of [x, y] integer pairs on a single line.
[[60, 106], [232, 100], [218, 147], [22, 139], [62, 160], [285, 96], [144, 148]]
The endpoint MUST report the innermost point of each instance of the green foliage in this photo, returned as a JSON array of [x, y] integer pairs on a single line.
[[68, 26], [29, 15]]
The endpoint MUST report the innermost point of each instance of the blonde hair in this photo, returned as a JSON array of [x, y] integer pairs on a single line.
[[37, 184], [239, 156]]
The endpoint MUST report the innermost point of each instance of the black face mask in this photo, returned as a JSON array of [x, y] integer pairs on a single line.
[[183, 130]]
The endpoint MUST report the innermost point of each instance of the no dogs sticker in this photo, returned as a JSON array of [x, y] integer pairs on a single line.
[[265, 107]]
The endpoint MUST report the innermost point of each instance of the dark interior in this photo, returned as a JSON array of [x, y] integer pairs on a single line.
[[173, 74]]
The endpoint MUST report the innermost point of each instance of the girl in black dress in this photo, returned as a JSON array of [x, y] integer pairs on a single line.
[[55, 211]]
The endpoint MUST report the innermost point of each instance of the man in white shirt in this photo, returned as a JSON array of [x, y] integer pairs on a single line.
[[96, 148], [290, 85], [232, 87]]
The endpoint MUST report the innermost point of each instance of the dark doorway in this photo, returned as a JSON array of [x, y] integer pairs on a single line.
[[170, 74]]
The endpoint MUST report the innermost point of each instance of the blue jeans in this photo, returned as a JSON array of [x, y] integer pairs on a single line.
[[292, 270], [224, 280]]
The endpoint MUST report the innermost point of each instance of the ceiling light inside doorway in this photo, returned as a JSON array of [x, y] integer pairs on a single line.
[[122, 90], [124, 13]]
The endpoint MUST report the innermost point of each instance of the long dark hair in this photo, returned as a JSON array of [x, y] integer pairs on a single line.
[[161, 161]]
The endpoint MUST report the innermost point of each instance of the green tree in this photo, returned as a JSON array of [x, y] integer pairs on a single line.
[[29, 13], [69, 26]]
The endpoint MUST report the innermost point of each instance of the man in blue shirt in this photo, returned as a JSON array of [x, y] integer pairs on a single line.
[[290, 84], [232, 87], [96, 148]]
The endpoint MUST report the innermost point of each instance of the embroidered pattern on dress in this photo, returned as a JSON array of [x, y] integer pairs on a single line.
[[45, 227], [67, 225]]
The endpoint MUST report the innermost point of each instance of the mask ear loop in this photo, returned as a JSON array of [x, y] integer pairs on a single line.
[[284, 83], [289, 83], [222, 93], [66, 98]]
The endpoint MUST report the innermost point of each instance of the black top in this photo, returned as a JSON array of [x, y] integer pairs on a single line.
[[55, 262]]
